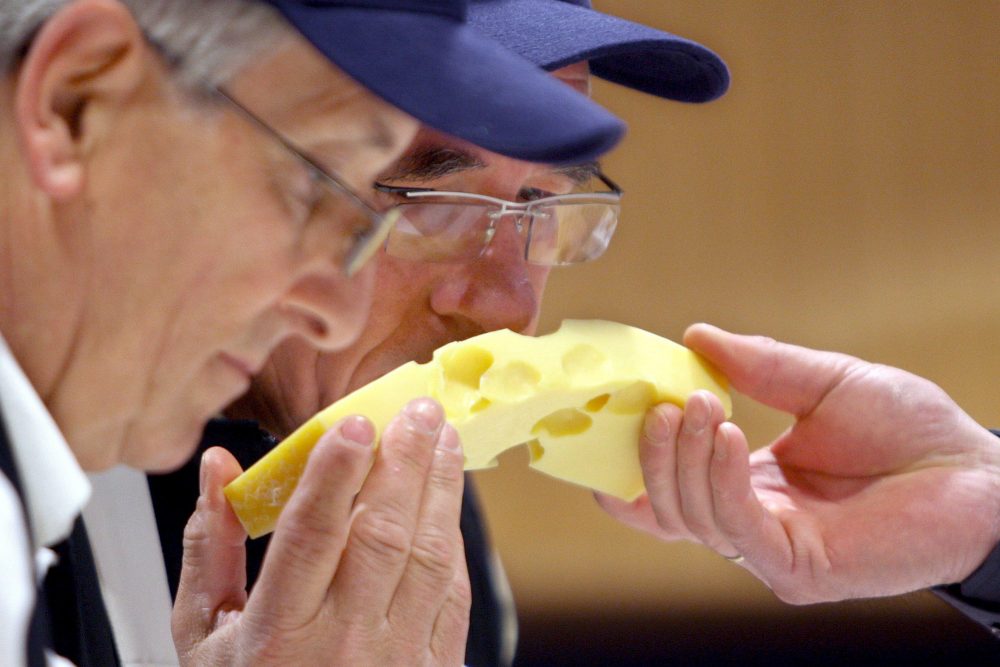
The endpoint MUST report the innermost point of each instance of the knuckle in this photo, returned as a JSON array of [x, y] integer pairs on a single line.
[[447, 471], [658, 465], [436, 553], [195, 530], [691, 471], [460, 594], [350, 456], [701, 529], [303, 521], [765, 341], [672, 526], [699, 525], [407, 444], [669, 521], [383, 535], [302, 548]]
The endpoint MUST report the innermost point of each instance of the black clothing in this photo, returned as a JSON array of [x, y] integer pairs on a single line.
[[69, 615]]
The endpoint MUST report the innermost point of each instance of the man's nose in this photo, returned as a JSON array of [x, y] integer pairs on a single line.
[[328, 309], [499, 290]]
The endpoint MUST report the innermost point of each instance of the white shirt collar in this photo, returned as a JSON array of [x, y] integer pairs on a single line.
[[55, 487]]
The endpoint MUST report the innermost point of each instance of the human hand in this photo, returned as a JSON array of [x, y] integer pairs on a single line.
[[359, 571], [883, 485]]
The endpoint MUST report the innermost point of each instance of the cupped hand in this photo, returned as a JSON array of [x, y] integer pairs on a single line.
[[364, 567], [882, 485]]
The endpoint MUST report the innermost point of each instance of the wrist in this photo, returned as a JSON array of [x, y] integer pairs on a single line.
[[977, 564]]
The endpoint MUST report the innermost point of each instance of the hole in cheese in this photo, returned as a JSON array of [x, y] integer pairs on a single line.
[[568, 421], [480, 405], [461, 371], [633, 399], [466, 365], [535, 450], [515, 381], [583, 362], [597, 403]]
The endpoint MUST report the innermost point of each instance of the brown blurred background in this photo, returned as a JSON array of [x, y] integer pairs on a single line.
[[845, 194]]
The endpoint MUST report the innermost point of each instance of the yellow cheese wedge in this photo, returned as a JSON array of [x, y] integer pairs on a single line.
[[577, 397]]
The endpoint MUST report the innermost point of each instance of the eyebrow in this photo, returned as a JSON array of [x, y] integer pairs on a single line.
[[430, 163], [580, 173]]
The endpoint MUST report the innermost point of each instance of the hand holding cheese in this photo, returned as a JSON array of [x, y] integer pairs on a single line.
[[365, 567], [882, 484], [577, 397]]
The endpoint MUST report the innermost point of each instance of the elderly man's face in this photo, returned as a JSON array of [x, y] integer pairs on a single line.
[[194, 244], [420, 306]]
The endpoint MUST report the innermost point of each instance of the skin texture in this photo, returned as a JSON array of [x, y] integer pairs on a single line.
[[155, 249], [165, 246], [883, 485], [421, 306], [378, 578]]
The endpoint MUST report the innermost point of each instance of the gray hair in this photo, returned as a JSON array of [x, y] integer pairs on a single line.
[[207, 41]]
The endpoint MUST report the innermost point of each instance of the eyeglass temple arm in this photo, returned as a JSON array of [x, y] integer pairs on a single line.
[[403, 189], [298, 153]]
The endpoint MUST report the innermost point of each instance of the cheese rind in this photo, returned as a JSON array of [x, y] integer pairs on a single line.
[[577, 397]]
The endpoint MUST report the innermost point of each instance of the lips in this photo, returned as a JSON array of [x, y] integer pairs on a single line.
[[247, 368]]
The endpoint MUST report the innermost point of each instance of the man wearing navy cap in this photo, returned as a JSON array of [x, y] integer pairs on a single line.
[[426, 298], [185, 186]]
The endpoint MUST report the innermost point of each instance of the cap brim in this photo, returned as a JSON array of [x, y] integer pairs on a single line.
[[553, 33], [452, 78]]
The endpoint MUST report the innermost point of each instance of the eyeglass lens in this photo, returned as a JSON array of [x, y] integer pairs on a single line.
[[556, 234]]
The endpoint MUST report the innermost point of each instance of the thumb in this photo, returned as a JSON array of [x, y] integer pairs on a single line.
[[213, 570], [786, 377]]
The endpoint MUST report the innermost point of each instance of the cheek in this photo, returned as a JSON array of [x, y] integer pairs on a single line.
[[403, 290]]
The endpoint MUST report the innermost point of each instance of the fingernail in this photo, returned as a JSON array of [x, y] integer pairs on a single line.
[[656, 427], [722, 442], [696, 413], [425, 414], [358, 430], [203, 474], [449, 441]]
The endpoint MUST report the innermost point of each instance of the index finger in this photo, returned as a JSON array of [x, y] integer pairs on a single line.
[[385, 515], [311, 533], [783, 376]]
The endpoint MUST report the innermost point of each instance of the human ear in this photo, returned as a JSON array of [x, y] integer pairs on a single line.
[[89, 55]]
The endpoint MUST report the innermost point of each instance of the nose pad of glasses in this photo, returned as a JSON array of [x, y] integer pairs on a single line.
[[517, 217]]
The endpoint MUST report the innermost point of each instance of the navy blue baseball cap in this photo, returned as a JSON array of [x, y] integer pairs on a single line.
[[421, 56], [556, 33]]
